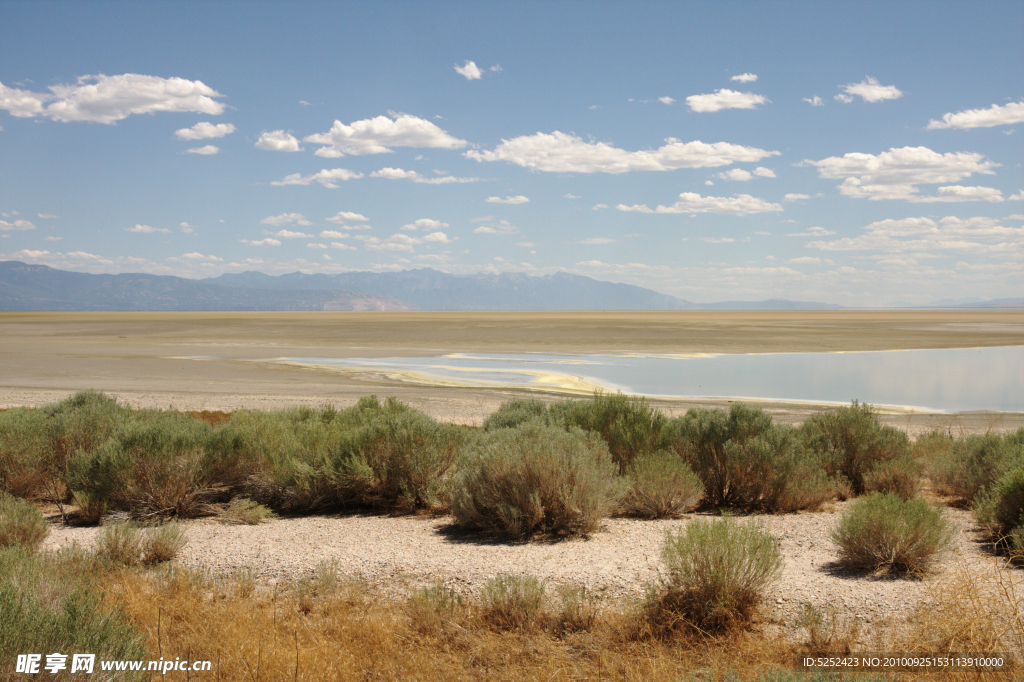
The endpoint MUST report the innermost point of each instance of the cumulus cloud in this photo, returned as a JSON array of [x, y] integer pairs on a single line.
[[724, 99], [718, 240], [950, 234], [470, 70], [691, 202], [347, 216], [762, 172], [269, 241], [805, 259], [666, 100], [813, 232], [981, 118], [48, 216], [146, 229], [326, 177], [288, 234], [745, 78], [204, 130], [870, 90], [499, 227], [438, 238], [396, 242], [424, 224], [334, 234], [894, 174], [400, 174], [564, 153], [518, 199], [108, 99], [196, 257], [378, 135], [814, 101], [342, 247], [597, 241], [187, 229], [278, 141], [285, 219], [16, 226], [205, 150], [51, 238], [796, 197], [736, 174]]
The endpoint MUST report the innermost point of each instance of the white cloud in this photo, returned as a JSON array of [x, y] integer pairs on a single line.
[[342, 247], [108, 99], [400, 174], [269, 241], [378, 135], [691, 202], [981, 118], [718, 240], [1019, 196], [526, 245], [564, 153], [278, 141], [316, 246], [470, 70], [396, 242], [424, 224], [796, 197], [724, 99], [16, 226], [736, 174], [285, 219], [48, 216], [345, 216], [961, 193], [804, 259], [205, 150], [438, 237], [327, 178], [499, 227], [204, 130], [869, 90], [813, 232], [570, 196], [814, 101], [51, 238], [187, 229], [951, 234], [195, 256], [894, 174], [598, 241], [763, 172], [745, 78], [496, 67], [666, 100], [146, 229], [334, 234], [288, 234], [519, 199]]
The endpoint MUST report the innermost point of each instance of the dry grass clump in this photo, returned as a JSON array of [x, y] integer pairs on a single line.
[[21, 524], [661, 485], [717, 574], [967, 467], [829, 632], [514, 602], [535, 479], [244, 511], [901, 477], [885, 531], [123, 543]]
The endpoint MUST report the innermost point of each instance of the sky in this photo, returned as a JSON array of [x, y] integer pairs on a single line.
[[860, 153]]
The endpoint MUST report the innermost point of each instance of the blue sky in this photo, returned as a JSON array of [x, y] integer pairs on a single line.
[[859, 153]]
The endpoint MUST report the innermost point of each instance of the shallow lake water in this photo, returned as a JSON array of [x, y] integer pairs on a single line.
[[945, 380]]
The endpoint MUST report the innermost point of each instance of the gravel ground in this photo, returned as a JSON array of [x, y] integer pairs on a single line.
[[616, 562]]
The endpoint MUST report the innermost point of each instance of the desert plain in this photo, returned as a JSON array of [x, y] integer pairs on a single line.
[[141, 358]]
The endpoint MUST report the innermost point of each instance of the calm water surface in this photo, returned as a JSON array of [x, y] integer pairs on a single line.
[[950, 380]]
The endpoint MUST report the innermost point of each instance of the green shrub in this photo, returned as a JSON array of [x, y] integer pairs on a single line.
[[899, 476], [1002, 507], [746, 462], [514, 412], [717, 572], [21, 524], [50, 602], [535, 479], [578, 610], [629, 425], [973, 464], [387, 456], [247, 512], [661, 485], [433, 609], [885, 531], [513, 602], [161, 463], [852, 441], [23, 447], [90, 508], [120, 543], [162, 543]]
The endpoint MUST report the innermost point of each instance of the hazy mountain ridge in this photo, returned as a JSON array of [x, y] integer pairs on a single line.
[[26, 287]]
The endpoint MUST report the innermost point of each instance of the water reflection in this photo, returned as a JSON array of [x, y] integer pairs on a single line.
[[951, 380]]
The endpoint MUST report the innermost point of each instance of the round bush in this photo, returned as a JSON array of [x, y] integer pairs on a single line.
[[513, 602], [883, 530], [717, 573], [535, 479], [512, 413], [662, 485]]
